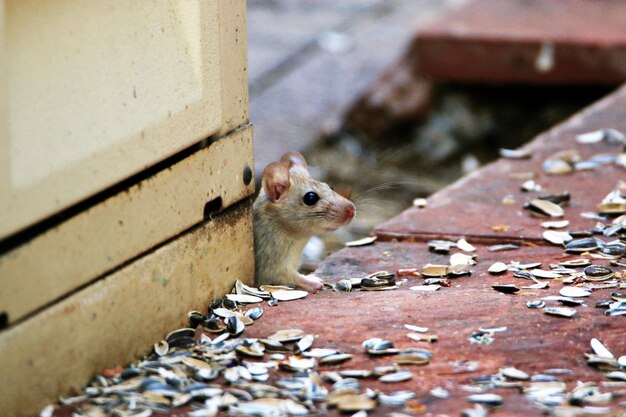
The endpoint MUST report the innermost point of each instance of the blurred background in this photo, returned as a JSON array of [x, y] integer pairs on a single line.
[[390, 100]]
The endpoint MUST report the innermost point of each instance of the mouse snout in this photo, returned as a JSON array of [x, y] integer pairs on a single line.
[[349, 212]]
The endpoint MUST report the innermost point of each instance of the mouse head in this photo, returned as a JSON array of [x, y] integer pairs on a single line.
[[300, 203]]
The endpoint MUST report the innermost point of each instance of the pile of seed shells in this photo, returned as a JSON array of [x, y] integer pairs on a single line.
[[378, 281], [579, 278], [604, 242], [567, 161], [549, 392], [210, 369], [435, 275], [591, 245]]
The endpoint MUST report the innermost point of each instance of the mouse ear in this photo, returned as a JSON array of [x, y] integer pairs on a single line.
[[295, 159], [276, 180]]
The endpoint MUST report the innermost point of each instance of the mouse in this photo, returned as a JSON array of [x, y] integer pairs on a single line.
[[291, 208]]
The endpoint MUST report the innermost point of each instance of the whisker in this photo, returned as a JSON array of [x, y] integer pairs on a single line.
[[386, 186], [384, 158]]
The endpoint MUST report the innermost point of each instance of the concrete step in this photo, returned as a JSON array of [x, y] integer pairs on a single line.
[[496, 42], [474, 205], [508, 41]]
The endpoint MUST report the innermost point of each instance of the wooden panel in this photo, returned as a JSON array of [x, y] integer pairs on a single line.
[[234, 63], [127, 224], [118, 318], [97, 91]]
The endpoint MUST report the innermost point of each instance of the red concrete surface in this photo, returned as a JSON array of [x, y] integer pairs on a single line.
[[533, 342], [474, 204], [498, 41]]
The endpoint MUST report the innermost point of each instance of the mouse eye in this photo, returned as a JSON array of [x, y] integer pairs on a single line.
[[310, 198]]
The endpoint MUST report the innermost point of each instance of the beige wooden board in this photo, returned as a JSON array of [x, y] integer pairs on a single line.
[[117, 319], [234, 77], [97, 91], [124, 226]]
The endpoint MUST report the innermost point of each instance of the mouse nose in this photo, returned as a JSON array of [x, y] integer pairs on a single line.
[[350, 210]]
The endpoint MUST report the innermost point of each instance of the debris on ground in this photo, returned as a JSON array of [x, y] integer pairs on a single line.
[[534, 327]]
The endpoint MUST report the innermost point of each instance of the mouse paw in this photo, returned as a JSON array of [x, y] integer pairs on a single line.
[[311, 283]]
